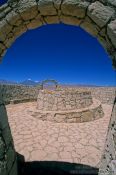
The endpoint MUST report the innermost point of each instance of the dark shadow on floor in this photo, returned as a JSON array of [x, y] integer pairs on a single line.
[[53, 168]]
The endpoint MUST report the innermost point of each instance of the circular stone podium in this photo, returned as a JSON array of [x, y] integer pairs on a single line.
[[63, 99], [69, 105]]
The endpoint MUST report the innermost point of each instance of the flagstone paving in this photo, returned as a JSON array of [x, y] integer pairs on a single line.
[[43, 140]]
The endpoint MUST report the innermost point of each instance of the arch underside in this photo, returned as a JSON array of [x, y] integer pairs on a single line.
[[54, 82], [98, 18]]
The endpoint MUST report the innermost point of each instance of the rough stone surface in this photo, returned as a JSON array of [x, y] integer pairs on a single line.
[[74, 8], [71, 20], [7, 152], [67, 105], [90, 113], [112, 32], [99, 13], [19, 93], [63, 99], [90, 27], [46, 7], [109, 2], [25, 8]]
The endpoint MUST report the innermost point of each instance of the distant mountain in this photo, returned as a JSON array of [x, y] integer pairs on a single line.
[[2, 81], [29, 82], [79, 85]]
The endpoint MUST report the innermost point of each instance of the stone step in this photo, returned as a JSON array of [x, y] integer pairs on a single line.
[[90, 113]]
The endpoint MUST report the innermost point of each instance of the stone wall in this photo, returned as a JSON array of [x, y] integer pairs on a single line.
[[104, 94], [63, 99], [18, 93], [108, 162], [8, 159], [93, 112]]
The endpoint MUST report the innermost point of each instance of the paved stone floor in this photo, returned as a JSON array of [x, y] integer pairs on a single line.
[[43, 140]]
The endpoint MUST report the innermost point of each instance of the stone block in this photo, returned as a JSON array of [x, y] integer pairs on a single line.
[[110, 2], [13, 18], [59, 117], [19, 30], [90, 27], [27, 8], [70, 20], [3, 117], [5, 28], [87, 116], [74, 8], [111, 30], [9, 40], [37, 22], [47, 8], [51, 19], [78, 120], [100, 13], [71, 120]]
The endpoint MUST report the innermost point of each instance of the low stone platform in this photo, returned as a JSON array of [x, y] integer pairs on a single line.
[[16, 101], [87, 114], [63, 99]]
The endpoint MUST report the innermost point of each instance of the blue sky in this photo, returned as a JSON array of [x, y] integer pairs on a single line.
[[62, 52], [2, 1]]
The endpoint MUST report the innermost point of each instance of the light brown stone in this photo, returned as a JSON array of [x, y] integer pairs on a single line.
[[99, 13], [74, 8]]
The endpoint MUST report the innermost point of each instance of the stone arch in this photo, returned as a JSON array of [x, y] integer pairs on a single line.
[[96, 17], [17, 16], [49, 81]]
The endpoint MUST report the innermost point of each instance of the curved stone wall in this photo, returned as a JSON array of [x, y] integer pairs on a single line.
[[93, 112], [96, 17], [21, 93], [62, 100], [18, 93], [8, 159]]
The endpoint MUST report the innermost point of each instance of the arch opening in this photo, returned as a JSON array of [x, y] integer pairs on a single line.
[[98, 18]]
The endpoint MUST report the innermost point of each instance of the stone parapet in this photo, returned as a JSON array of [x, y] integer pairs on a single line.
[[64, 99], [93, 112], [18, 93]]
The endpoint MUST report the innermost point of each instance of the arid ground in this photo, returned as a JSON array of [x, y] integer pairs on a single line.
[[70, 142]]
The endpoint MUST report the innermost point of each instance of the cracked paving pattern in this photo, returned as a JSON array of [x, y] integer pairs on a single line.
[[70, 142]]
